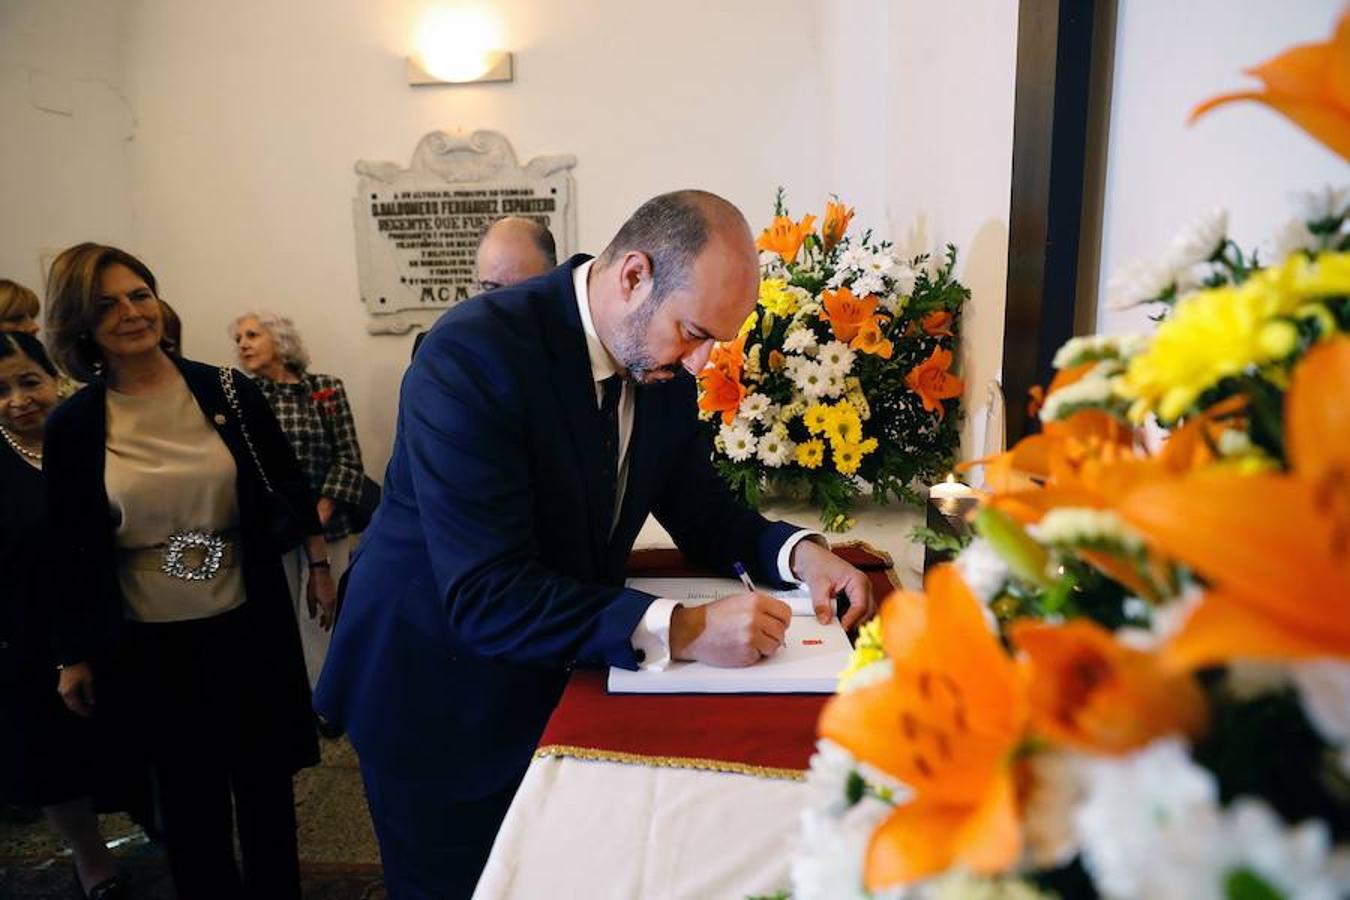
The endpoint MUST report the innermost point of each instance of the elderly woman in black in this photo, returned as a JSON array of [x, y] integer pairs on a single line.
[[171, 486], [47, 754]]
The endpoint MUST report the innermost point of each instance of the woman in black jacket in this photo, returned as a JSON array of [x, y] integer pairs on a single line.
[[170, 487], [48, 756]]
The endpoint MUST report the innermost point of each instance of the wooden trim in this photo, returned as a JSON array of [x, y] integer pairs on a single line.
[[1062, 65]]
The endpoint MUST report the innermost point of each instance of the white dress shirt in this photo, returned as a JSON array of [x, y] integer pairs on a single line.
[[651, 637]]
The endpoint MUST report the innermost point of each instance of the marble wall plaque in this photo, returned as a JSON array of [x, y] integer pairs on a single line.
[[417, 227]]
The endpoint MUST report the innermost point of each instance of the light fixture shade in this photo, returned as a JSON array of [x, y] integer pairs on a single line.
[[497, 65]]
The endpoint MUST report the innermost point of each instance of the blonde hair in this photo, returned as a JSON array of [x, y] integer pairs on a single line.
[[290, 348], [72, 305], [16, 302]]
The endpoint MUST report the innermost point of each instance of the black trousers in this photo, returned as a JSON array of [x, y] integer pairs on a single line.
[[432, 847], [191, 693]]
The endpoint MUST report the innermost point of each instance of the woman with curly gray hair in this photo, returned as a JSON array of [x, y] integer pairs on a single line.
[[317, 419]]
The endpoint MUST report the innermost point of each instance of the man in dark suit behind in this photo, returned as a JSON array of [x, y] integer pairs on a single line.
[[537, 428]]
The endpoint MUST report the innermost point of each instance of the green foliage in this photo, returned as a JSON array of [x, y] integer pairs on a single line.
[[1244, 884], [937, 540]]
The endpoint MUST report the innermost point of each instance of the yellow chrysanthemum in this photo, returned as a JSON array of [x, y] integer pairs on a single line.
[[867, 650], [749, 324], [818, 418], [845, 425], [810, 454], [1218, 333], [847, 457], [775, 297]]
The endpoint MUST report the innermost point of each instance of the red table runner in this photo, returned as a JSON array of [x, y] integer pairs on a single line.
[[771, 736]]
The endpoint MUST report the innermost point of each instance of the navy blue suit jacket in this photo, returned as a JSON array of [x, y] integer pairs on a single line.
[[489, 570]]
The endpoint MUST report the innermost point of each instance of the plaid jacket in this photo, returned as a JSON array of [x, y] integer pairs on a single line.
[[316, 417]]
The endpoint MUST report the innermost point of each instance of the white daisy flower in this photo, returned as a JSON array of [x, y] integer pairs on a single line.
[[1077, 527], [1293, 237], [775, 450], [1199, 240], [1149, 825], [1096, 347], [983, 569], [753, 406], [869, 283], [1297, 861], [1139, 282], [834, 384], [738, 440], [902, 277], [811, 379], [800, 340], [1320, 206], [1095, 390], [837, 357], [828, 776], [1324, 686]]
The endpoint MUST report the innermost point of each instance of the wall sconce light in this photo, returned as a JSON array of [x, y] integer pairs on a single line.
[[458, 46]]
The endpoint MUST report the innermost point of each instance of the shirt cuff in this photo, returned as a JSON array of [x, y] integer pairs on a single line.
[[785, 554], [651, 637]]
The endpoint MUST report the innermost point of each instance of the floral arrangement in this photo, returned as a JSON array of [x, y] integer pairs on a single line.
[[841, 379], [1134, 682]]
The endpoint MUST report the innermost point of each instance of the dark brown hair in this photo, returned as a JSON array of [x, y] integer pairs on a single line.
[[72, 305]]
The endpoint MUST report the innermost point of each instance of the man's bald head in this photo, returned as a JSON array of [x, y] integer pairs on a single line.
[[674, 229], [513, 250]]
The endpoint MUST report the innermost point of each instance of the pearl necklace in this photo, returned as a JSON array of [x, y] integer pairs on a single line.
[[35, 456]]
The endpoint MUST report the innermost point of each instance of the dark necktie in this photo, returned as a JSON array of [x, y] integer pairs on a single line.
[[609, 431]]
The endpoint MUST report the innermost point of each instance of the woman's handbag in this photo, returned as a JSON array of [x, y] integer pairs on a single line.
[[281, 527]]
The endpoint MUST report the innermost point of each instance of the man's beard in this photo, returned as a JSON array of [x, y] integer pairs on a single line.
[[631, 346]]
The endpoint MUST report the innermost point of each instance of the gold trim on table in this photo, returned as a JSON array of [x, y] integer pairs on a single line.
[[670, 762]]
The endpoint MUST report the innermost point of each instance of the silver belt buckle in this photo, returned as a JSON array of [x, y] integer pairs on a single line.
[[174, 561]]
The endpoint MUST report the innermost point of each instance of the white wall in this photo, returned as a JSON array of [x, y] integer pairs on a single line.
[[252, 113], [65, 143], [230, 169], [949, 149], [1161, 173]]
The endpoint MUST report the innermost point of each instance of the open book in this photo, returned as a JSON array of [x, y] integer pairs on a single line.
[[809, 662]]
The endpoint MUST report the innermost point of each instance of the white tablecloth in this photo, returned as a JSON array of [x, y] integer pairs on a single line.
[[618, 831], [602, 830]]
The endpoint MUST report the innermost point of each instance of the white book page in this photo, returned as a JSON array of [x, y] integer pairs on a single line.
[[809, 662]]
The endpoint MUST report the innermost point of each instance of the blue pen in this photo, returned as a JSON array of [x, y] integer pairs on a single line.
[[739, 569]]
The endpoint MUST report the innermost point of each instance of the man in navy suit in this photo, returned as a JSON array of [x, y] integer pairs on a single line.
[[537, 428]]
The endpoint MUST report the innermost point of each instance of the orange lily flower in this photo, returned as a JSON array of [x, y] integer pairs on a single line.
[[1307, 84], [846, 313], [785, 237], [1274, 548], [933, 382], [938, 323], [720, 393], [869, 340], [947, 724], [837, 217], [729, 357], [1092, 693]]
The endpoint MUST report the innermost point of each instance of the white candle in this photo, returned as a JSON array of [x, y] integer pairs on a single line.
[[951, 489]]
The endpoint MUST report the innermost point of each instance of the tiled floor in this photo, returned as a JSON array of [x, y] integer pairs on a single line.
[[338, 856]]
